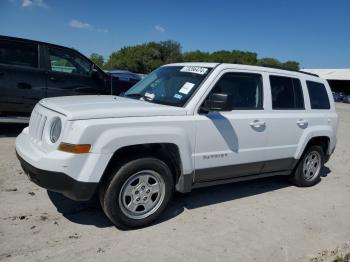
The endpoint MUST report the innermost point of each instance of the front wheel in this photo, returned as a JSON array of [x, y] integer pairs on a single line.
[[308, 170], [138, 192]]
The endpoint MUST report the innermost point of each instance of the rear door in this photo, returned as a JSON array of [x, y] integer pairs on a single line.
[[71, 74], [22, 81], [286, 122]]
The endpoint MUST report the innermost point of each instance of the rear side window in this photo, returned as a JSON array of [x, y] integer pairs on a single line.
[[318, 95], [286, 93], [18, 53], [245, 88]]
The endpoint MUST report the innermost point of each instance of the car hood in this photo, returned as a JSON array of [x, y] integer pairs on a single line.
[[97, 106]]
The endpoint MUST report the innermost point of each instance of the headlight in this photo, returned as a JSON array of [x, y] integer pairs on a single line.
[[55, 130]]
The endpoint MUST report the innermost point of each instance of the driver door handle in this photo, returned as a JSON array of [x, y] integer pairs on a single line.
[[257, 123], [56, 78]]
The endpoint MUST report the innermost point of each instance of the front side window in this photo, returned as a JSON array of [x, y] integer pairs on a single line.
[[68, 62], [318, 95], [169, 85], [245, 88], [286, 93], [18, 53]]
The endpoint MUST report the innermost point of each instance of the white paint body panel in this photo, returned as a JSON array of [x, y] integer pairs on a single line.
[[109, 123]]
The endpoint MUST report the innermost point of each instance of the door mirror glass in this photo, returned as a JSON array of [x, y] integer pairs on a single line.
[[94, 71], [218, 102]]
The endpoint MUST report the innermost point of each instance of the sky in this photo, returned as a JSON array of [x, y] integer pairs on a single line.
[[314, 33]]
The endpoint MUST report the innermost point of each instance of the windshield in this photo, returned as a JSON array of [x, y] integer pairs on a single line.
[[169, 85]]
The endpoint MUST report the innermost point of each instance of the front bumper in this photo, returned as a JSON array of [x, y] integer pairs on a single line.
[[59, 182], [74, 175]]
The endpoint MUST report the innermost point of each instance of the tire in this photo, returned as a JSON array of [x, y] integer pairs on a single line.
[[308, 175], [137, 193]]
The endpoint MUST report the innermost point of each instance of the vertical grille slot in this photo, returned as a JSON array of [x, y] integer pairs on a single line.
[[42, 125], [36, 125]]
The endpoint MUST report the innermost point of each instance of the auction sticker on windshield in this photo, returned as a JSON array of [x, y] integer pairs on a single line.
[[194, 69], [186, 88], [149, 95], [177, 96]]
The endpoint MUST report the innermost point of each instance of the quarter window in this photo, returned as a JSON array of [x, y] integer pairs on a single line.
[[18, 53], [286, 93], [68, 62], [318, 95], [246, 90]]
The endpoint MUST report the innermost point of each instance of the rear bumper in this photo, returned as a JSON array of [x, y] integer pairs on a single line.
[[59, 182]]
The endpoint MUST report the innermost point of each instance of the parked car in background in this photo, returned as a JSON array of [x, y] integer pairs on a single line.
[[126, 78], [32, 70], [346, 99], [338, 96], [125, 75]]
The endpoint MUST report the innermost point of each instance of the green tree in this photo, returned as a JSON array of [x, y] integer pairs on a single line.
[[292, 65], [97, 59], [234, 56], [145, 57], [222, 56], [196, 56], [269, 62]]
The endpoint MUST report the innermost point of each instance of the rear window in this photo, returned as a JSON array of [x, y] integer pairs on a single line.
[[318, 95], [18, 53], [286, 93]]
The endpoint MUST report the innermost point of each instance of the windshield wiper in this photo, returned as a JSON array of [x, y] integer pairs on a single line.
[[138, 96], [133, 95]]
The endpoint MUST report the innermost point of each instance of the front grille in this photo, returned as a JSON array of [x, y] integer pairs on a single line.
[[36, 125]]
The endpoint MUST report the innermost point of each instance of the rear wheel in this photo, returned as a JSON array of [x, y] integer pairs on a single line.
[[308, 170], [138, 192]]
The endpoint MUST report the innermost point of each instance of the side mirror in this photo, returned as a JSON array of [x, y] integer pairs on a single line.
[[94, 72], [218, 102]]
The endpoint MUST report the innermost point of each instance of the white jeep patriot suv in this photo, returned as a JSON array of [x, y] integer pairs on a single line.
[[182, 127]]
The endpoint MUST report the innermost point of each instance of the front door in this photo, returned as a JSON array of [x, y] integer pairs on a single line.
[[71, 74], [231, 144]]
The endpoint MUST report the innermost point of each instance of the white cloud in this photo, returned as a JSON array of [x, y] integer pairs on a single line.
[[26, 3], [78, 24], [102, 30], [159, 28], [74, 23], [29, 3]]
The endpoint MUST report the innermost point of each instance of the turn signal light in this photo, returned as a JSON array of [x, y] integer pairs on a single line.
[[75, 149]]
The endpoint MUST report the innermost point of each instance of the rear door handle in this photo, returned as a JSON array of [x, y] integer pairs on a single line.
[[302, 123], [52, 78], [257, 123], [56, 79]]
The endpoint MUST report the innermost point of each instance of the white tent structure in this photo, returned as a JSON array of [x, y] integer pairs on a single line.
[[330, 74], [338, 79]]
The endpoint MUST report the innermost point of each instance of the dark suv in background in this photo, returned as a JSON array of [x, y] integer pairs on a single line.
[[31, 70]]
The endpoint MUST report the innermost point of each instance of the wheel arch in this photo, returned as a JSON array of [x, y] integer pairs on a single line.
[[169, 153], [320, 140]]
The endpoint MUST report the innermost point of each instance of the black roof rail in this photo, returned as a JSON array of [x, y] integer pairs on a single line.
[[282, 68]]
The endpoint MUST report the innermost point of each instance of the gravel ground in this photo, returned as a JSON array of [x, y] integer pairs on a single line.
[[262, 220]]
